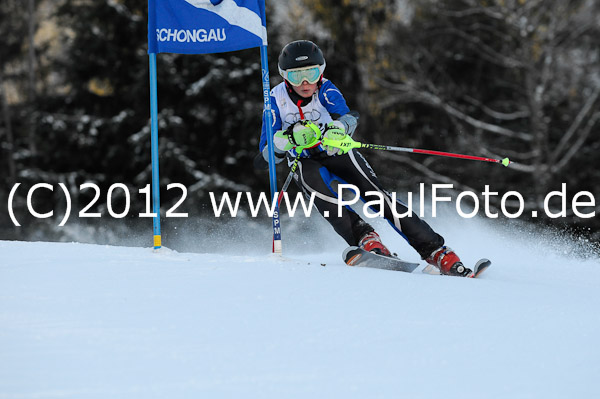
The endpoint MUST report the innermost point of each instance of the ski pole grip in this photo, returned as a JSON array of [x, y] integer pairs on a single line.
[[345, 144]]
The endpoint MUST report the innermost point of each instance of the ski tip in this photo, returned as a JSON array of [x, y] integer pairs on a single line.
[[480, 266]]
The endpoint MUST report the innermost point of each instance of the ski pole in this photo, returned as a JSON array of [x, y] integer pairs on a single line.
[[348, 143], [287, 182]]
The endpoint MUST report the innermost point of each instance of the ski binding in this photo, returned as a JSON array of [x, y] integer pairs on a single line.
[[480, 266]]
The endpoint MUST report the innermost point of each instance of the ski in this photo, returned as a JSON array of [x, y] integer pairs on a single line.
[[480, 267], [355, 256]]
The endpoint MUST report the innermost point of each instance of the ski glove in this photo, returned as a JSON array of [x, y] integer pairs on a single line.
[[300, 135], [279, 156], [334, 133]]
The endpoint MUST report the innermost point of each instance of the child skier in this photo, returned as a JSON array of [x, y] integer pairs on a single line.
[[307, 109]]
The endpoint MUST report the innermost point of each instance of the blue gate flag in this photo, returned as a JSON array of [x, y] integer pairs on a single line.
[[205, 26]]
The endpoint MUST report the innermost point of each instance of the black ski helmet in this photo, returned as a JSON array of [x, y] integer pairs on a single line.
[[298, 54]]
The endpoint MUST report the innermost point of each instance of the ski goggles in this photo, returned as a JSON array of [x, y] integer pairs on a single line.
[[296, 76]]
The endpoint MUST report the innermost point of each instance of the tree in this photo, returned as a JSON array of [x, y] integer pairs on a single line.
[[92, 115], [350, 35], [12, 30], [501, 78]]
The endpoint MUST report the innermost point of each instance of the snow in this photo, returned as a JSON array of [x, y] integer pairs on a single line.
[[98, 321]]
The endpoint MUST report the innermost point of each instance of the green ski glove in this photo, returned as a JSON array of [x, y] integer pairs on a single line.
[[335, 139], [301, 135]]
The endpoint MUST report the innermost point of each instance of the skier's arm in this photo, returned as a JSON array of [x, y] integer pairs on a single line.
[[350, 121], [335, 103]]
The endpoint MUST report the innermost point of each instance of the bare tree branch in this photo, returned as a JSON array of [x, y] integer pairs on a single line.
[[575, 125], [578, 144], [431, 99], [492, 12], [485, 50], [496, 114]]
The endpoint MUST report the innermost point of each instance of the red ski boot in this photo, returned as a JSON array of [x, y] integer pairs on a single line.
[[448, 262], [371, 242]]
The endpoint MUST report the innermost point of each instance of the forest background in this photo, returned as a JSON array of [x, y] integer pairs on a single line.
[[495, 78]]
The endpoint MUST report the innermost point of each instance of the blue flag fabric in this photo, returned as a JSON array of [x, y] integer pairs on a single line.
[[205, 26]]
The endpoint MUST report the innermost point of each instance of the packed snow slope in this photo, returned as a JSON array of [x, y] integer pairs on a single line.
[[95, 321]]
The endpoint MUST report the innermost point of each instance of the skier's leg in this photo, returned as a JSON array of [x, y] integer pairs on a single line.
[[430, 245], [314, 179], [355, 169]]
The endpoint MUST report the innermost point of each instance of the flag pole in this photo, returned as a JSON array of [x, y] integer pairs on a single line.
[[234, 27], [268, 120], [154, 149]]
